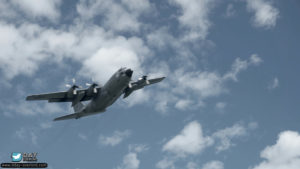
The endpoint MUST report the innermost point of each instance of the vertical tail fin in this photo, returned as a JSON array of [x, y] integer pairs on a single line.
[[78, 107]]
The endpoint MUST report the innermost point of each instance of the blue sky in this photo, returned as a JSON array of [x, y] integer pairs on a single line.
[[230, 99]]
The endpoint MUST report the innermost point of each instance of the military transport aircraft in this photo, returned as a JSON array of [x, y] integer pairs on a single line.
[[101, 96]]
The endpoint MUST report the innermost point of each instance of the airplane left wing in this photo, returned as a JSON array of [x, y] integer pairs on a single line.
[[142, 82], [48, 96], [67, 96]]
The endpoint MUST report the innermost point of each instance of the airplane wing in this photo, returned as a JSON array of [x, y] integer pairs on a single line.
[[48, 96], [66, 96], [150, 81], [140, 84]]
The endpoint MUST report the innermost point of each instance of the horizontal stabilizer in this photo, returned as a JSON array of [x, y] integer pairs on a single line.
[[77, 115], [67, 117]]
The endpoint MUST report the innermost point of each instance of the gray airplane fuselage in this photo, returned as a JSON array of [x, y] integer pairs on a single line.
[[109, 93], [100, 97]]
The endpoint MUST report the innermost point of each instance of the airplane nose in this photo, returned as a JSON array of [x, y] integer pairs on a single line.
[[129, 72]]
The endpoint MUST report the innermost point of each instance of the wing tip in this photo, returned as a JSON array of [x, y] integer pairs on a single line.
[[162, 78], [29, 98], [58, 119]]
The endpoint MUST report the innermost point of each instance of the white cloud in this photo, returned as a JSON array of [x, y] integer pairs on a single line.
[[163, 101], [32, 44], [191, 165], [230, 11], [183, 104], [195, 17], [130, 160], [220, 106], [21, 133], [285, 154], [26, 134], [199, 84], [117, 16], [116, 138], [240, 65], [165, 163], [6, 10], [226, 135], [109, 59], [138, 97], [265, 14], [26, 108], [274, 84], [137, 6], [161, 38], [213, 165], [255, 60], [82, 136], [46, 125], [26, 46], [138, 148], [189, 141], [205, 84], [36, 8], [252, 125], [19, 55]]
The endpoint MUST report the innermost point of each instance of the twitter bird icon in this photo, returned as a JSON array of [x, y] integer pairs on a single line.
[[16, 157]]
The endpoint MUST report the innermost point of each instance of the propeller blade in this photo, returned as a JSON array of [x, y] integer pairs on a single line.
[[67, 85], [147, 82], [130, 85], [73, 80], [88, 84]]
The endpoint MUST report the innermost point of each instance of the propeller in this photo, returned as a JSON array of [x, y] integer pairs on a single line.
[[129, 85], [73, 83], [73, 86], [93, 86], [145, 79]]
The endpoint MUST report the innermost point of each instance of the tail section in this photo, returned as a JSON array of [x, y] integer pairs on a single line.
[[78, 109]]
